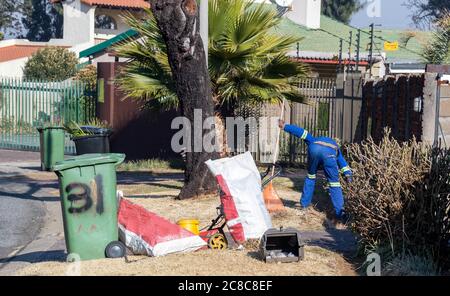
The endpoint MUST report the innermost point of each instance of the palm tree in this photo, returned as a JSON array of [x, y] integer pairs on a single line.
[[248, 60], [438, 50]]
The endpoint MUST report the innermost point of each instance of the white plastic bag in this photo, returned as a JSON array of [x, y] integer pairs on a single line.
[[240, 181]]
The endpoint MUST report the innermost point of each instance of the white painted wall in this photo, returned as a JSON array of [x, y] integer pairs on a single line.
[[79, 20], [303, 12], [79, 34], [306, 13], [13, 68]]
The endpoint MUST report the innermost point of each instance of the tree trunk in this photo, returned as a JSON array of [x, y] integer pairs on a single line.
[[178, 21]]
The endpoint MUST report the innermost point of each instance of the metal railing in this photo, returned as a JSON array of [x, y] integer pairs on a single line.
[[26, 105]]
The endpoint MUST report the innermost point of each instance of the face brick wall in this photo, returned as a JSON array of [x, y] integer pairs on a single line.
[[395, 102]]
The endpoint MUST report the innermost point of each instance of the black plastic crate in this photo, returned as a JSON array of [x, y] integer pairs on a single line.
[[282, 245]]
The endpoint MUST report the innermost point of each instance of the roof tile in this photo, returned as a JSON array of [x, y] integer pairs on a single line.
[[14, 52], [116, 3]]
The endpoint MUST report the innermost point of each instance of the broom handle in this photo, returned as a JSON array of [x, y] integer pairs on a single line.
[[277, 146]]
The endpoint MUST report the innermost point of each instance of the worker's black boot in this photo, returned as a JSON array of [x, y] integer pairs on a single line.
[[344, 218]]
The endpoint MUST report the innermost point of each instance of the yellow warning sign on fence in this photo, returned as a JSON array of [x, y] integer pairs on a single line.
[[390, 46]]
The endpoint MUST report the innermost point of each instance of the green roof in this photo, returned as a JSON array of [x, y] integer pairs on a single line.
[[105, 44], [326, 39]]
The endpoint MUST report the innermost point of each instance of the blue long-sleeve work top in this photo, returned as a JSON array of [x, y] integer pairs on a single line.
[[324, 141]]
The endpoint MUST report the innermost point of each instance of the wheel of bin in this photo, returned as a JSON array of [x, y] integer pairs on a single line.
[[218, 242], [115, 249]]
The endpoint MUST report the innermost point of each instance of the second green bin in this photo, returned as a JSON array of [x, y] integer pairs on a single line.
[[51, 146], [89, 203]]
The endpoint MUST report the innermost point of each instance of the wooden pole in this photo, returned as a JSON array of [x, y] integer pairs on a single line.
[[277, 145]]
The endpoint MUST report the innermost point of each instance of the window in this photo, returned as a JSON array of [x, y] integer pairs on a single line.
[[105, 22]]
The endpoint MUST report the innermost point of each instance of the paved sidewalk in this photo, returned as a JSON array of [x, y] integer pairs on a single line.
[[30, 213]]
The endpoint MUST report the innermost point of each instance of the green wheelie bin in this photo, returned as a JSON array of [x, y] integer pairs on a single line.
[[51, 146], [89, 205]]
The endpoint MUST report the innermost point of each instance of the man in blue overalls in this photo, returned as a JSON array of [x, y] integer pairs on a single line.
[[323, 152]]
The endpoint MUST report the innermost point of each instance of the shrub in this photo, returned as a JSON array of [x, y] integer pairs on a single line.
[[87, 75], [75, 130], [400, 196], [51, 64], [13, 126]]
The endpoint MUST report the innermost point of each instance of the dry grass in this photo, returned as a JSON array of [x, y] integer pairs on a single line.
[[207, 262], [162, 201], [157, 187]]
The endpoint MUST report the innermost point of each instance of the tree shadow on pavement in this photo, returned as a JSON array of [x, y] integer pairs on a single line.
[[36, 257], [23, 187]]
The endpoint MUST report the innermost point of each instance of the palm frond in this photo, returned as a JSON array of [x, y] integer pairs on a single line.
[[248, 57], [438, 50]]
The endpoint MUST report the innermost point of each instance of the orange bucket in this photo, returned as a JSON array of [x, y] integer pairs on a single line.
[[191, 225]]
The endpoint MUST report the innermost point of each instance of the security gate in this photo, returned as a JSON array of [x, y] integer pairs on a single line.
[[26, 105], [319, 117]]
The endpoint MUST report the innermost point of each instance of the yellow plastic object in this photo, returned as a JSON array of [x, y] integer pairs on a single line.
[[191, 225]]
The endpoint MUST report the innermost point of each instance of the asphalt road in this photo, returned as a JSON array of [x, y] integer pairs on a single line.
[[20, 222], [21, 214]]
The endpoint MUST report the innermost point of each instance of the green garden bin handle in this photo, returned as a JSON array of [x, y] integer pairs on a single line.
[[120, 157]]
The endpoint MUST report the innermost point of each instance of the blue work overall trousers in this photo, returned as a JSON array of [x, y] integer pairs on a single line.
[[323, 153]]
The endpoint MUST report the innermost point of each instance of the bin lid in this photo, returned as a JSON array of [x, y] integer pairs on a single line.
[[41, 128], [89, 160]]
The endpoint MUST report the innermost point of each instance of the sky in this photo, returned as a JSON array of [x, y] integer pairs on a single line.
[[390, 13]]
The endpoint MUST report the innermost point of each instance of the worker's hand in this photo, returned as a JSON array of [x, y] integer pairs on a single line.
[[281, 123]]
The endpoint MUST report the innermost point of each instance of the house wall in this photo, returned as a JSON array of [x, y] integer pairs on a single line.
[[306, 13], [117, 15], [396, 102], [79, 20], [429, 108], [13, 68], [444, 118]]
